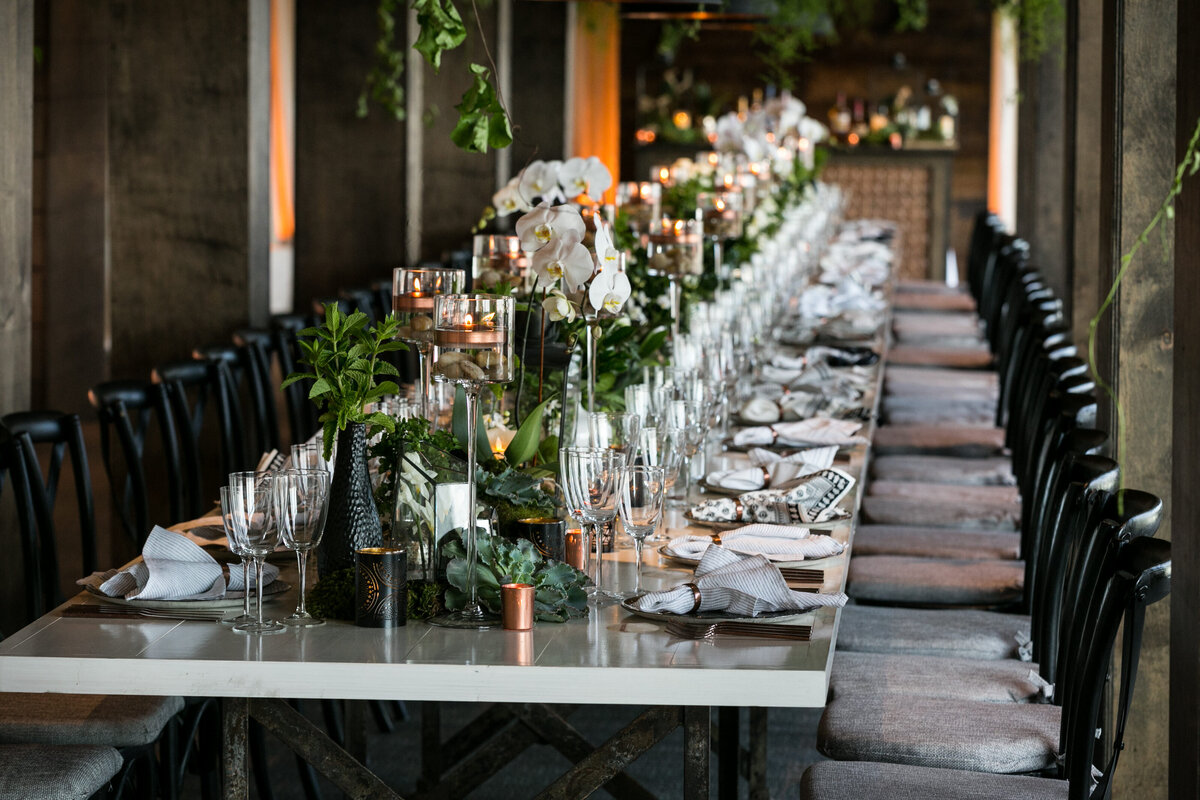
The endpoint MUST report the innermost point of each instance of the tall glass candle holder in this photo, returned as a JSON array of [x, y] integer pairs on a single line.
[[674, 249], [472, 347], [496, 258], [641, 202], [413, 291], [721, 215]]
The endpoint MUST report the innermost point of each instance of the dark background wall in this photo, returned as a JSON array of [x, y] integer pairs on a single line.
[[955, 48]]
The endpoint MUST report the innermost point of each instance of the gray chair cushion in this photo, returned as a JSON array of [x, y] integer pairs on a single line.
[[934, 301], [967, 441], [902, 540], [946, 492], [1001, 681], [978, 357], [65, 772], [906, 410], [935, 581], [928, 285], [908, 325], [942, 510], [946, 633], [995, 471], [119, 721], [950, 734], [862, 780], [930, 381]]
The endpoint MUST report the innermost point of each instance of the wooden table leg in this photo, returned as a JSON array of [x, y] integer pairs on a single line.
[[696, 742], [235, 766], [729, 745], [758, 754]]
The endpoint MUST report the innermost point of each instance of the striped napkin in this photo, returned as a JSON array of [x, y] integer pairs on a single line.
[[819, 430], [173, 567], [775, 542], [816, 457], [742, 585]]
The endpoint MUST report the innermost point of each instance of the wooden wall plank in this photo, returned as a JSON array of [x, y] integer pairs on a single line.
[[16, 184]]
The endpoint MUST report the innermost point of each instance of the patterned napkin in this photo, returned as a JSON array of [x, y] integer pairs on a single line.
[[775, 542], [741, 585], [820, 430], [173, 567], [814, 499]]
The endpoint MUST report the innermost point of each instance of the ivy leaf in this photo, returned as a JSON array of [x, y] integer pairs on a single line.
[[441, 29], [482, 122]]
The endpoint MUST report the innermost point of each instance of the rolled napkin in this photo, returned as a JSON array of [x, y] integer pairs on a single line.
[[776, 542], [760, 410], [820, 430], [173, 567], [741, 585]]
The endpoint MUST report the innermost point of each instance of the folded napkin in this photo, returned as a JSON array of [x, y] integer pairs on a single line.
[[751, 478], [776, 542], [773, 374], [173, 567], [760, 410], [816, 457], [820, 430], [738, 584], [788, 362], [813, 499]]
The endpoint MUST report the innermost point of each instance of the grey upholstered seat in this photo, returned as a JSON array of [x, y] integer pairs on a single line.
[[64, 772], [943, 328], [945, 492], [909, 410], [900, 379], [935, 581], [995, 471], [965, 441], [119, 721], [934, 301], [931, 355], [859, 780], [956, 633], [921, 542], [950, 734], [942, 510], [1000, 681]]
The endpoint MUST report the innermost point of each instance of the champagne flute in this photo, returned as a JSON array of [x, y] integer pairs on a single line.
[[301, 509], [592, 480], [235, 547], [249, 498], [640, 505]]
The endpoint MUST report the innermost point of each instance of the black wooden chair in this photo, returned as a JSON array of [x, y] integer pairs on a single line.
[[302, 416], [125, 410], [132, 724], [251, 399], [196, 390]]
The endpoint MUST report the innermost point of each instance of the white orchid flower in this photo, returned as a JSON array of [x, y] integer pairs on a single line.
[[813, 130], [566, 260], [509, 199], [558, 307], [540, 180], [546, 224], [586, 176], [607, 255], [609, 291], [729, 134]]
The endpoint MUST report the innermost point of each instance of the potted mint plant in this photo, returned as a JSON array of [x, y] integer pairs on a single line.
[[345, 363]]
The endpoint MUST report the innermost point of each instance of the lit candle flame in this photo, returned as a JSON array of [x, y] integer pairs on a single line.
[[678, 227], [664, 174], [719, 204], [469, 322], [416, 286]]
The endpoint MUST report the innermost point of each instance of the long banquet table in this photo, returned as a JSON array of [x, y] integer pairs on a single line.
[[610, 657]]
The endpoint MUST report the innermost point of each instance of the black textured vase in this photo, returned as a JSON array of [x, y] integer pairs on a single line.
[[353, 522]]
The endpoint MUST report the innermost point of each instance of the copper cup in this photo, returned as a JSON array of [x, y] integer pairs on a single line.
[[575, 549], [516, 606]]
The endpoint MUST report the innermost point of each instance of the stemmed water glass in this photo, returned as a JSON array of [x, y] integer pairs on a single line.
[[249, 495], [689, 419], [300, 511], [640, 505], [591, 478], [310, 455], [235, 547], [472, 347]]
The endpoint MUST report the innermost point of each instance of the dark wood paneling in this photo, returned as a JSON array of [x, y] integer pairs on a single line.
[[350, 174], [179, 149], [1086, 278], [1040, 170], [1185, 506], [538, 81], [16, 183], [76, 327]]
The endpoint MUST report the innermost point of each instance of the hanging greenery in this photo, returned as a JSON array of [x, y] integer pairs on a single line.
[[1039, 23], [483, 119]]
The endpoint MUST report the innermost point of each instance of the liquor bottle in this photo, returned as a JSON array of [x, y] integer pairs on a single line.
[[839, 118]]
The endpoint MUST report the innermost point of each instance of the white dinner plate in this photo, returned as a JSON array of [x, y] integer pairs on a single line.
[[230, 600]]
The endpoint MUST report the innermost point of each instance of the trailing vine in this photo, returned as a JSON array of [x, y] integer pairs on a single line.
[[483, 119], [1188, 166]]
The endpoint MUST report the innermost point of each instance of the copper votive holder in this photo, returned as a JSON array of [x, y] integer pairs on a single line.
[[381, 587], [516, 606], [409, 302], [575, 549]]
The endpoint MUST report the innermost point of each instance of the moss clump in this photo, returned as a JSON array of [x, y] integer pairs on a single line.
[[332, 597]]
